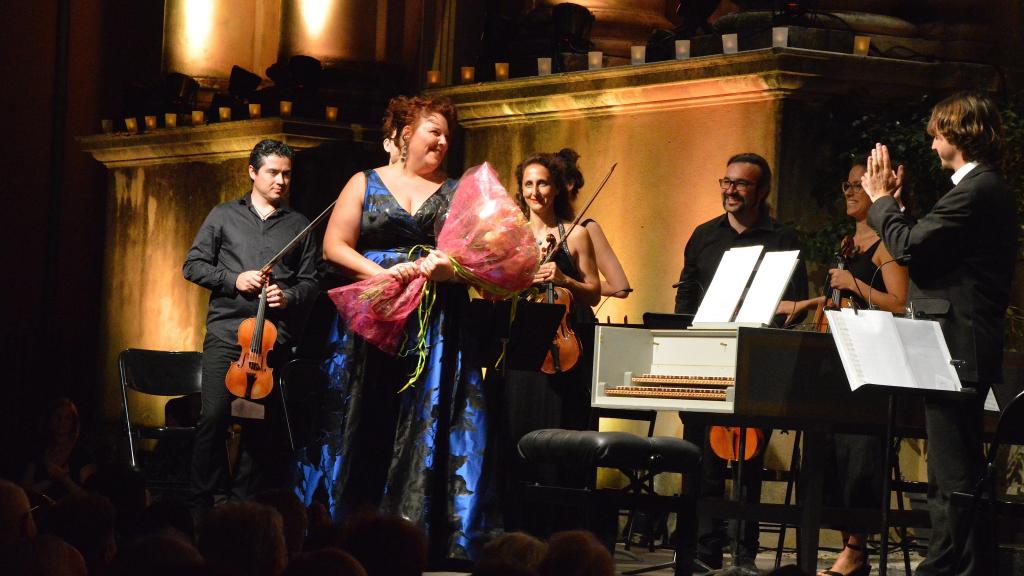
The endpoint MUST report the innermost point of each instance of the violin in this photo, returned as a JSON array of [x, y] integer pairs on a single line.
[[250, 377], [836, 300], [564, 351]]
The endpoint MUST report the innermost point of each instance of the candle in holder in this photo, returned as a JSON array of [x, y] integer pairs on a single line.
[[861, 45], [224, 113], [286, 108], [331, 113], [501, 70], [107, 125], [255, 110], [467, 74], [150, 123], [730, 43], [594, 60], [780, 36], [637, 54], [433, 78], [131, 124], [682, 49], [170, 120], [543, 66], [198, 118]]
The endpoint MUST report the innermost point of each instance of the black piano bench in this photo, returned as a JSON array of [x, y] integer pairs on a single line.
[[639, 458]]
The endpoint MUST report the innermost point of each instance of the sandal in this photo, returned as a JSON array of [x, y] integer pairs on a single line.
[[862, 570]]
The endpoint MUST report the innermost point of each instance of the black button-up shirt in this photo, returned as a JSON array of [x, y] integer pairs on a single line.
[[710, 241], [232, 240]]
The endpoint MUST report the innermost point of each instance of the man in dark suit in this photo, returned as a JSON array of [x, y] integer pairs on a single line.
[[961, 257]]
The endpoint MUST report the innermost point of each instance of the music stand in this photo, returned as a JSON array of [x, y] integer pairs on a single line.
[[486, 333]]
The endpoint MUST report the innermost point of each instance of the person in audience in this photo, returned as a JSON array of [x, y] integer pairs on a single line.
[[385, 545], [15, 515], [326, 562], [44, 555], [168, 516], [293, 516], [60, 467], [512, 549], [158, 555], [243, 539], [576, 553], [87, 522]]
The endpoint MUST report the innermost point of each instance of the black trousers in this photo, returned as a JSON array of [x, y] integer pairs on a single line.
[[959, 541], [262, 464], [713, 534]]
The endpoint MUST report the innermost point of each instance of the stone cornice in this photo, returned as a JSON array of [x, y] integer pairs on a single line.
[[213, 142], [751, 75]]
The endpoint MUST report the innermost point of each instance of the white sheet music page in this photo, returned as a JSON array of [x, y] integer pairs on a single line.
[[870, 348], [767, 288], [927, 354], [723, 295]]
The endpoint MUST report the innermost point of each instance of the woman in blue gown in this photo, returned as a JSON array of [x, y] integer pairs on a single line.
[[418, 454]]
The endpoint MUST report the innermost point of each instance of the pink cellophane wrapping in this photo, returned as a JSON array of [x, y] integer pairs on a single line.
[[486, 237]]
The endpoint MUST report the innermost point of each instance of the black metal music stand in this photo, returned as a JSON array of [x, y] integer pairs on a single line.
[[492, 336]]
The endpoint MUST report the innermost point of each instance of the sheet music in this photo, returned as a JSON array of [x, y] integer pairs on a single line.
[[768, 286], [878, 349], [927, 354], [723, 295]]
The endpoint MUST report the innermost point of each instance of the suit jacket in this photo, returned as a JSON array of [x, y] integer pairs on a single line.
[[962, 252]]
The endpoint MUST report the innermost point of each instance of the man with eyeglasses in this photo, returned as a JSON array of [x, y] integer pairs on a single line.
[[746, 222]]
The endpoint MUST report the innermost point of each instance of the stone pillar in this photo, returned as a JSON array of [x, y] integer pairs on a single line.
[[620, 24], [334, 32], [205, 38]]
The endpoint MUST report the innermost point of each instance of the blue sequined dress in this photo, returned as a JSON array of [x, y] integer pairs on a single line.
[[418, 454]]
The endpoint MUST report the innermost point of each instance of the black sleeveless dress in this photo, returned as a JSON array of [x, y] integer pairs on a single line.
[[535, 400], [855, 481]]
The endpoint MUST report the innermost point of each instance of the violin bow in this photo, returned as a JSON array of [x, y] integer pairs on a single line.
[[579, 216], [298, 238]]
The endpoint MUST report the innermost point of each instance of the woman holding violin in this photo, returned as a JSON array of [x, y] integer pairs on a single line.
[[868, 275], [558, 397]]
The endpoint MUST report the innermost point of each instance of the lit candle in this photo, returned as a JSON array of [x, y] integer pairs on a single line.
[[255, 110], [861, 45], [150, 123], [198, 118], [132, 125], [730, 43], [543, 66], [224, 113], [331, 113], [286, 108], [107, 125], [467, 74], [170, 120], [501, 70], [594, 60], [682, 49], [780, 36], [637, 54], [433, 78]]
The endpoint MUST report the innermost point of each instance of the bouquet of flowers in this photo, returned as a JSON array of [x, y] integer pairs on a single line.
[[489, 244]]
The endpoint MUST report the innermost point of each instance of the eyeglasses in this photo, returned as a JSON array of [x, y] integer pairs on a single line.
[[848, 185], [741, 185]]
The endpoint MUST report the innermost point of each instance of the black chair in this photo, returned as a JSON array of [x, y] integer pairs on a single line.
[[1009, 431], [157, 373]]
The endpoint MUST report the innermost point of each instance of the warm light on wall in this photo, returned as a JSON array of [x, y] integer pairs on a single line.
[[314, 16], [199, 15]]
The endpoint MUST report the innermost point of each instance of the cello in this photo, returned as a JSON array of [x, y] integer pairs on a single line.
[[251, 377]]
